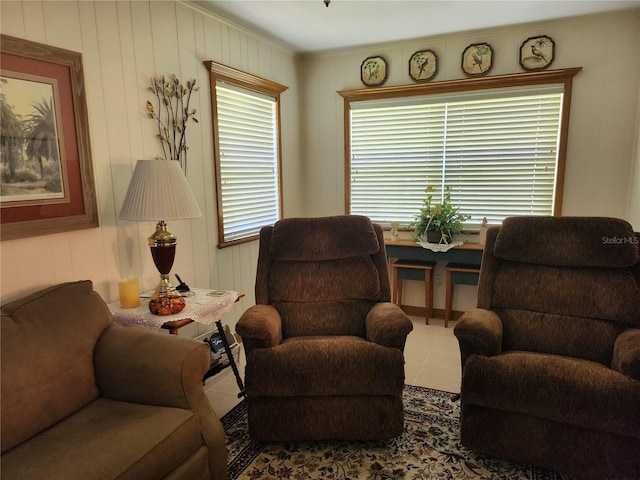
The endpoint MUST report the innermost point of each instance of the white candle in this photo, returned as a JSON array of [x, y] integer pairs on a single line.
[[129, 293]]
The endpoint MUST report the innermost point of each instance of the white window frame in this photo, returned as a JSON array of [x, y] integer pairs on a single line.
[[264, 91], [560, 80]]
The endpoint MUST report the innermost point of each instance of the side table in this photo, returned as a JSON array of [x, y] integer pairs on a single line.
[[201, 307]]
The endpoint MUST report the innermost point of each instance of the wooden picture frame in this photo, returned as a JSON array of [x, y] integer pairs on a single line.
[[423, 65], [537, 53], [47, 183], [373, 71], [477, 59]]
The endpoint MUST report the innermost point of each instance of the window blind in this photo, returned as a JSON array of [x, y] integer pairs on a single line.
[[248, 146], [496, 149]]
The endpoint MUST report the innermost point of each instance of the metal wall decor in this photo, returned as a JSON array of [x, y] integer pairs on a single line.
[[423, 65], [373, 71], [537, 53], [477, 59]]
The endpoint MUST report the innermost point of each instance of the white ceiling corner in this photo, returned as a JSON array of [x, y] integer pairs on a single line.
[[309, 26]]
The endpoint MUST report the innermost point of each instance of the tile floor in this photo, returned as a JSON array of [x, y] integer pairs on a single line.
[[432, 359]]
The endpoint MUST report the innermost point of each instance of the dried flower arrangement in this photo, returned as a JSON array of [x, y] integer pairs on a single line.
[[172, 114]]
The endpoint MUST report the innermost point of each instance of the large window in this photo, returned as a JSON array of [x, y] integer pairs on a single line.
[[498, 143], [246, 132]]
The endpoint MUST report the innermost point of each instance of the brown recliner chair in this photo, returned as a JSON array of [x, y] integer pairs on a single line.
[[324, 345], [551, 358]]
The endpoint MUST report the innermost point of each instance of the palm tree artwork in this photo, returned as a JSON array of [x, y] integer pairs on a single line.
[[30, 161], [40, 134], [10, 137]]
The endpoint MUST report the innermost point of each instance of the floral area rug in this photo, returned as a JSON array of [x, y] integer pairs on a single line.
[[429, 448]]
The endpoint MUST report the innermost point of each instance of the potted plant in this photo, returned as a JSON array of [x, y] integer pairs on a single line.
[[438, 223]]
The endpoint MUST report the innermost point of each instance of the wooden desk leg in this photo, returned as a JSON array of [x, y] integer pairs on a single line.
[[393, 281], [395, 287], [428, 300], [431, 293], [448, 299]]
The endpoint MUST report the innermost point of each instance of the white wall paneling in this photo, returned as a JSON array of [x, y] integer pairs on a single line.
[[123, 45]]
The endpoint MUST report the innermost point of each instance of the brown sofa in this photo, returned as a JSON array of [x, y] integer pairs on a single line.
[[324, 344], [551, 358], [83, 398]]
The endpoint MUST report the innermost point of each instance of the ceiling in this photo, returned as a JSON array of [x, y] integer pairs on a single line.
[[309, 26]]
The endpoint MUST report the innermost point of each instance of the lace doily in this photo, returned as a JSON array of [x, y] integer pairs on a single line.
[[201, 308], [438, 247]]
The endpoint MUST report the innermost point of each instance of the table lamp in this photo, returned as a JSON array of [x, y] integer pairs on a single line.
[[159, 191]]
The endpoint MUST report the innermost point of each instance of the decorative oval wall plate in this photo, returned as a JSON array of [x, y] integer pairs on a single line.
[[537, 53], [477, 59], [423, 65], [373, 71]]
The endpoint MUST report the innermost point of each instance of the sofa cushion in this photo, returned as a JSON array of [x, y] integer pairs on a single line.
[[324, 366], [577, 241], [48, 340], [563, 389], [108, 439]]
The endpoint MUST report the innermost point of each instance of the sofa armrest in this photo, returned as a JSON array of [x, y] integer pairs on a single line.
[[388, 325], [626, 353], [138, 366], [479, 332], [260, 327]]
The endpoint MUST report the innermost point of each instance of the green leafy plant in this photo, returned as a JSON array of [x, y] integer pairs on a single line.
[[172, 114], [443, 218]]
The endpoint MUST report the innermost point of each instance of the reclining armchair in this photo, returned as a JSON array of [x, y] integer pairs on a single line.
[[324, 345], [551, 356]]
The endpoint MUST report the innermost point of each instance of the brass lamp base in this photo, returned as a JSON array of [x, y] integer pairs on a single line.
[[166, 300]]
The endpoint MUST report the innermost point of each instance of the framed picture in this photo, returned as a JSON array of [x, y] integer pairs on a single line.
[[47, 183], [373, 71], [537, 53], [423, 65], [477, 59]]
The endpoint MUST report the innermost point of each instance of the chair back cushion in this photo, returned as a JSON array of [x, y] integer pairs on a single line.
[[322, 239], [322, 274], [568, 242], [48, 340], [562, 285]]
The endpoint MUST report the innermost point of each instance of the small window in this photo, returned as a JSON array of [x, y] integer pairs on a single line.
[[246, 133]]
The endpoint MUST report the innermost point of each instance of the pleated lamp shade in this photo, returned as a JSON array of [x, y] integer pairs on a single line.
[[159, 191]]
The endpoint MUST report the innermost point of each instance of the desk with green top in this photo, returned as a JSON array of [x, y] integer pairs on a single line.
[[407, 250]]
